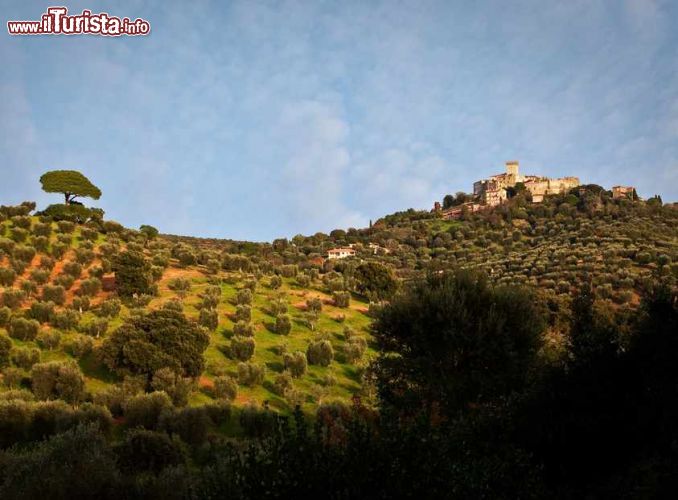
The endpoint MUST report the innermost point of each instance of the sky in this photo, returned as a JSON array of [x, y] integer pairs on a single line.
[[263, 119]]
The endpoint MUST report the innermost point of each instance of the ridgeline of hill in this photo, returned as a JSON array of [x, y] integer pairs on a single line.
[[285, 326]]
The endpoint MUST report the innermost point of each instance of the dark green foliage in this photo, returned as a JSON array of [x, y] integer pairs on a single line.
[[295, 363], [72, 214], [109, 308], [73, 269], [71, 183], [89, 287], [5, 348], [242, 348], [244, 297], [95, 327], [148, 231], [81, 346], [42, 229], [49, 339], [275, 282], [243, 329], [375, 281], [148, 451], [243, 313], [41, 311], [283, 324], [25, 357], [132, 274], [190, 424], [145, 410], [13, 298], [455, 340], [341, 299], [209, 318], [250, 374], [55, 294], [320, 352], [76, 464], [7, 276], [5, 314], [314, 305], [40, 276], [177, 388], [62, 380], [159, 339], [225, 388], [81, 304], [23, 329]]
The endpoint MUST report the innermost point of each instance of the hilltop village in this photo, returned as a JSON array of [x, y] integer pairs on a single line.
[[497, 189]]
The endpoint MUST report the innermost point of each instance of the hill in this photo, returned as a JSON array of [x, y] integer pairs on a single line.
[[59, 300]]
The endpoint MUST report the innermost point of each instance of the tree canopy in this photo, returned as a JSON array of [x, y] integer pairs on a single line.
[[159, 339], [454, 340], [71, 183]]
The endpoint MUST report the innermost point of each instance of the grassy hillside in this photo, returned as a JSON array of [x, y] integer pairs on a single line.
[[28, 272], [58, 303]]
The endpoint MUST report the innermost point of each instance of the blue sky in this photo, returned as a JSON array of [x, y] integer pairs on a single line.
[[255, 120]]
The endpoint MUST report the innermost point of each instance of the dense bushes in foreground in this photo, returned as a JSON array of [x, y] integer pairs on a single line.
[[598, 421]]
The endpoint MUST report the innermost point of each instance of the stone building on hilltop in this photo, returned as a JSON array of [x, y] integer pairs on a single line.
[[493, 191]]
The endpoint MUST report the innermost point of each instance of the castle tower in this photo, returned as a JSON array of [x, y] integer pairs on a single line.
[[512, 168]]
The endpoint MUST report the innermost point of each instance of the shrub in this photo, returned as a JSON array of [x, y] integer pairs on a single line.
[[5, 314], [80, 304], [24, 253], [341, 299], [354, 349], [225, 388], [95, 327], [49, 339], [144, 410], [283, 324], [109, 308], [250, 374], [179, 285], [242, 348], [244, 297], [177, 388], [84, 256], [29, 287], [5, 349], [25, 357], [282, 383], [148, 451], [58, 250], [314, 305], [61, 380], [209, 318], [174, 305], [133, 274], [295, 363], [243, 313], [64, 281], [81, 345], [191, 424], [320, 352], [41, 243], [89, 234], [159, 339], [275, 282], [23, 329], [7, 276], [243, 329], [257, 422], [41, 311], [89, 287], [72, 269], [19, 235], [55, 294], [42, 229], [40, 276]]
